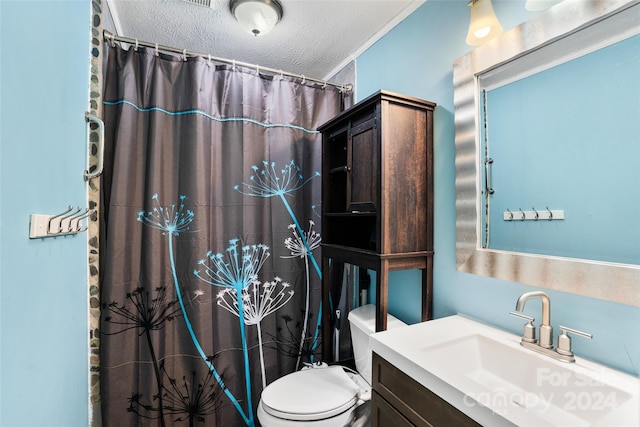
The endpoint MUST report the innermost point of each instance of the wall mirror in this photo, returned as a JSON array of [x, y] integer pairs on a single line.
[[519, 220]]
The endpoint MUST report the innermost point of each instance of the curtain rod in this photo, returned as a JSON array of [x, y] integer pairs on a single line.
[[108, 36]]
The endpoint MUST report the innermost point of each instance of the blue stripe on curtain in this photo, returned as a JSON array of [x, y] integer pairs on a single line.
[[209, 116]]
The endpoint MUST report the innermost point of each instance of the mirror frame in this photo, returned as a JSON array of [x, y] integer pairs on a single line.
[[563, 32]]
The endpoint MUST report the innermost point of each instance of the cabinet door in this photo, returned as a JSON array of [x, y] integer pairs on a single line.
[[415, 402], [385, 415], [362, 188]]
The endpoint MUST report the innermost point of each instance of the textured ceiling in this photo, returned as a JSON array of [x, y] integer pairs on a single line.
[[315, 38]]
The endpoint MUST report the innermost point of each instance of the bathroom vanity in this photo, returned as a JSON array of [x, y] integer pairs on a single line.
[[377, 196], [457, 371], [398, 400]]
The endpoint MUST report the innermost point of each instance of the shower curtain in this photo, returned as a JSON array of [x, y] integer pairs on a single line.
[[210, 236]]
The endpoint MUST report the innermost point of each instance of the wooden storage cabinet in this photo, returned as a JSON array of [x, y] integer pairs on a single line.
[[399, 400], [377, 195]]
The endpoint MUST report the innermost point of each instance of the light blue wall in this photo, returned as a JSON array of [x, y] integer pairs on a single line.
[[416, 59], [44, 77]]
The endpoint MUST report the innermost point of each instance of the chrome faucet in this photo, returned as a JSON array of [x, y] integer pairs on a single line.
[[546, 330], [545, 344]]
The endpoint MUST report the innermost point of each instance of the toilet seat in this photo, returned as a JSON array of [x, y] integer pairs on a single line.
[[311, 394]]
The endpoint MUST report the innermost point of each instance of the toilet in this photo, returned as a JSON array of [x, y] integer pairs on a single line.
[[325, 395]]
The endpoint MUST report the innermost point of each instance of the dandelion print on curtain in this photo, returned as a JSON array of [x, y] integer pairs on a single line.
[[210, 258]]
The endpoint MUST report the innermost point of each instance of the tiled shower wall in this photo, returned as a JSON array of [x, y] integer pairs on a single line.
[[95, 107]]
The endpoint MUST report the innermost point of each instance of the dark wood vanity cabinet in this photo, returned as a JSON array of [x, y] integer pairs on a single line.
[[399, 400], [377, 194]]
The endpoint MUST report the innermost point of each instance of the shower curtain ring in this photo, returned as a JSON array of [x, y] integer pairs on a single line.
[[136, 48], [157, 52], [304, 79]]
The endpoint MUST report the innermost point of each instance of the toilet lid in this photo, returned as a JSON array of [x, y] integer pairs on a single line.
[[312, 394]]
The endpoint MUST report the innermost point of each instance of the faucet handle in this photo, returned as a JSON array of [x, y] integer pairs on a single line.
[[529, 333], [564, 340]]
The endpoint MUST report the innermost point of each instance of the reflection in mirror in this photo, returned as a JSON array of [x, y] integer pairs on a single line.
[[562, 152], [570, 31]]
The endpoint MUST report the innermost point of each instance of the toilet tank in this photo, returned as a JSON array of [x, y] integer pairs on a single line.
[[362, 321]]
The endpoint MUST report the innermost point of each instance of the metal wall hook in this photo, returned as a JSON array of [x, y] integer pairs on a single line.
[[77, 224], [537, 216], [65, 223], [524, 215], [74, 221], [53, 225], [550, 214]]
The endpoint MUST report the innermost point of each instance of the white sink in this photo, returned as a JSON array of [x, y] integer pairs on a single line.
[[485, 373]]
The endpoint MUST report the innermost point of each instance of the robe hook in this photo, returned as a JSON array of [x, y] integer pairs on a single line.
[[58, 219], [77, 227]]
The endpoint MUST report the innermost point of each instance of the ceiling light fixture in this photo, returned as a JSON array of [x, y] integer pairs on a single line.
[[483, 25], [258, 17]]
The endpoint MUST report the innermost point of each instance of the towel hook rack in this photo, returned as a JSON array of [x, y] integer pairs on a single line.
[[65, 223], [534, 214]]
